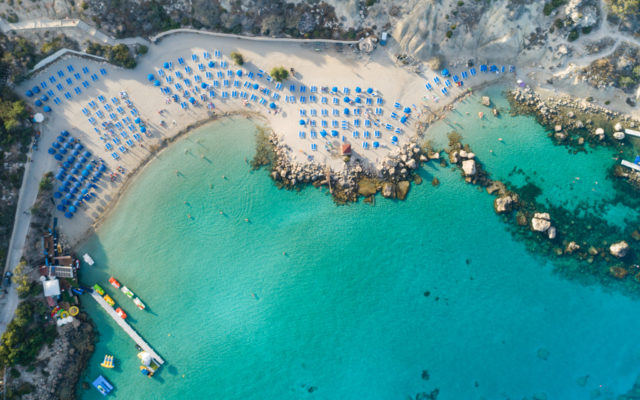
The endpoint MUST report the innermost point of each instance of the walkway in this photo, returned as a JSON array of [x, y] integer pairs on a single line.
[[127, 328]]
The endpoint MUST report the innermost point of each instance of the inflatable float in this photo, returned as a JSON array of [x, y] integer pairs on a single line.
[[108, 361]]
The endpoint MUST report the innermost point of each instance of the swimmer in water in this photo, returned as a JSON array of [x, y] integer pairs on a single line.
[[246, 220]]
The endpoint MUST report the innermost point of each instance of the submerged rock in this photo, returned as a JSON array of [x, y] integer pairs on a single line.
[[618, 272], [619, 249], [571, 247], [618, 135], [543, 353], [388, 190], [402, 189], [503, 204], [367, 187], [551, 232]]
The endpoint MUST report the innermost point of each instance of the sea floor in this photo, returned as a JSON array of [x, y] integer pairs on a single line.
[[313, 300]]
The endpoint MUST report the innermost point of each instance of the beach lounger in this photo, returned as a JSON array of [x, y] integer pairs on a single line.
[[59, 87], [250, 75], [334, 124], [101, 99], [483, 68], [344, 125], [472, 71], [206, 55], [134, 111], [378, 111], [398, 130], [276, 96], [99, 114], [303, 99], [183, 105], [188, 69], [180, 60], [389, 127], [313, 112], [379, 101], [324, 124], [312, 122], [397, 105], [278, 86], [455, 78], [345, 90], [69, 81], [225, 94], [301, 134], [113, 116], [132, 128], [52, 79], [85, 111], [447, 83], [187, 82], [122, 149], [194, 58], [129, 142], [314, 147], [243, 95], [208, 75], [357, 111], [324, 100], [107, 107], [94, 77], [220, 75], [303, 112], [234, 94], [377, 134], [70, 68], [268, 78], [77, 76], [324, 112], [464, 75], [436, 80], [229, 74], [186, 94], [303, 89], [137, 137], [56, 100], [236, 84], [77, 90], [212, 93], [444, 91], [224, 64], [365, 145], [103, 71], [292, 88], [60, 73], [124, 134], [336, 101], [196, 78], [512, 68], [260, 73], [368, 101], [253, 97], [313, 134], [335, 113], [313, 89], [217, 53], [356, 123], [356, 134], [67, 95]]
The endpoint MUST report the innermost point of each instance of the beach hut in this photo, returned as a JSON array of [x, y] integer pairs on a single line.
[[346, 149]]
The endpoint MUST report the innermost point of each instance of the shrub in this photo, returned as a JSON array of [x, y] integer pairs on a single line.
[[626, 82], [449, 34], [636, 72], [279, 73], [558, 23], [121, 55], [237, 58], [573, 35], [369, 3], [46, 183], [607, 102], [21, 279], [142, 49], [586, 30]]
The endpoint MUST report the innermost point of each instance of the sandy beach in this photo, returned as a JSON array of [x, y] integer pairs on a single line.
[[319, 65]]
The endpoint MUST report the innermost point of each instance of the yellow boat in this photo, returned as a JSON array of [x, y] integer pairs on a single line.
[[108, 361], [109, 300]]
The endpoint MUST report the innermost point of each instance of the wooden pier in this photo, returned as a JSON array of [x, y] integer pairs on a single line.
[[127, 328], [631, 165]]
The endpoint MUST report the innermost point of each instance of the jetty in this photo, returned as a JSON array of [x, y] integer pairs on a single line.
[[631, 165], [632, 132], [127, 328]]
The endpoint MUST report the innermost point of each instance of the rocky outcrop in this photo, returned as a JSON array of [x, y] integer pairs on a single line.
[[402, 188], [486, 101], [571, 247], [503, 204], [540, 222], [619, 249], [469, 167], [389, 190]]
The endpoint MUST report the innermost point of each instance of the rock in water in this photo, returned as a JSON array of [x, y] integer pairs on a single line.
[[571, 247], [402, 189], [543, 353], [469, 167], [502, 204], [367, 187], [495, 112], [540, 222], [582, 381], [551, 232], [619, 249], [618, 272], [486, 101], [635, 235], [435, 182], [618, 135], [617, 126], [388, 190]]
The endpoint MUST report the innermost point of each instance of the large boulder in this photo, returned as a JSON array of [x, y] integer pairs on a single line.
[[503, 204], [551, 232], [469, 167], [540, 222], [486, 101], [617, 126], [618, 135], [402, 189], [367, 187], [389, 190], [619, 249]]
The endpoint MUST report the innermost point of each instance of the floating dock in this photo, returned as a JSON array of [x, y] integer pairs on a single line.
[[632, 132], [127, 328], [630, 165]]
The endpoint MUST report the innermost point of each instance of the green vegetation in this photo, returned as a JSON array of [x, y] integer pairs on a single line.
[[624, 8], [119, 54], [449, 34], [558, 23], [15, 126], [142, 49], [626, 82], [279, 73], [460, 3], [586, 30], [636, 72], [84, 5], [237, 58], [46, 183], [369, 3], [21, 279], [26, 334], [573, 35], [552, 5]]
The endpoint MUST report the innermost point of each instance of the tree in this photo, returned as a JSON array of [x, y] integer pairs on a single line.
[[636, 72], [21, 279], [237, 58], [46, 183], [279, 73]]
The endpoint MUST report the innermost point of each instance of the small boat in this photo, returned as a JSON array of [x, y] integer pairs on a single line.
[[103, 385], [114, 282], [149, 365], [98, 289], [108, 361], [109, 300], [139, 303], [127, 292], [121, 313], [87, 258]]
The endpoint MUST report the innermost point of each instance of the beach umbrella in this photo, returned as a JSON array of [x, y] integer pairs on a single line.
[[302, 122], [203, 85], [156, 83], [211, 64], [376, 145], [28, 93], [347, 99], [66, 165], [370, 90], [73, 190], [60, 176], [68, 215], [394, 138], [60, 207], [165, 65], [150, 77], [65, 202], [78, 165], [35, 89], [137, 120], [72, 139], [358, 90], [85, 173], [61, 139], [55, 145], [143, 129], [98, 175], [44, 97], [76, 203], [256, 86], [272, 105], [64, 133], [57, 195], [102, 168], [358, 100], [68, 146], [346, 111], [239, 72], [83, 160], [445, 72], [72, 209], [334, 89], [192, 100], [323, 133], [407, 110], [51, 150], [89, 167], [75, 153], [58, 157], [74, 171], [83, 178], [87, 154], [84, 191], [334, 133], [63, 150], [403, 119], [38, 102], [69, 196]]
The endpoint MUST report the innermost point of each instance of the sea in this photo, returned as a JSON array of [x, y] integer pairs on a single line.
[[255, 292]]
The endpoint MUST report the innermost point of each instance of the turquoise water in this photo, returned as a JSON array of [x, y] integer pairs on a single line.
[[340, 308]]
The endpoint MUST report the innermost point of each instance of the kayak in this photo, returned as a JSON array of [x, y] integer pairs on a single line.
[[114, 282], [109, 300], [98, 289], [121, 313], [87, 258], [139, 303]]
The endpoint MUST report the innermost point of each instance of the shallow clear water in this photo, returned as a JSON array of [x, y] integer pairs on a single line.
[[344, 310]]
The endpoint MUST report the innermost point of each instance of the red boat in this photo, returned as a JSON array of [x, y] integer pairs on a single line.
[[114, 282], [121, 313]]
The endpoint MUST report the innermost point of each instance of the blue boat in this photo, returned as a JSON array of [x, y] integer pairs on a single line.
[[102, 385]]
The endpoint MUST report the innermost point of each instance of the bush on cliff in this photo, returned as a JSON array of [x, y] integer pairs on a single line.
[[237, 58], [279, 73]]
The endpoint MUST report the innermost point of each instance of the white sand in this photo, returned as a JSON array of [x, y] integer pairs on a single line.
[[317, 65]]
